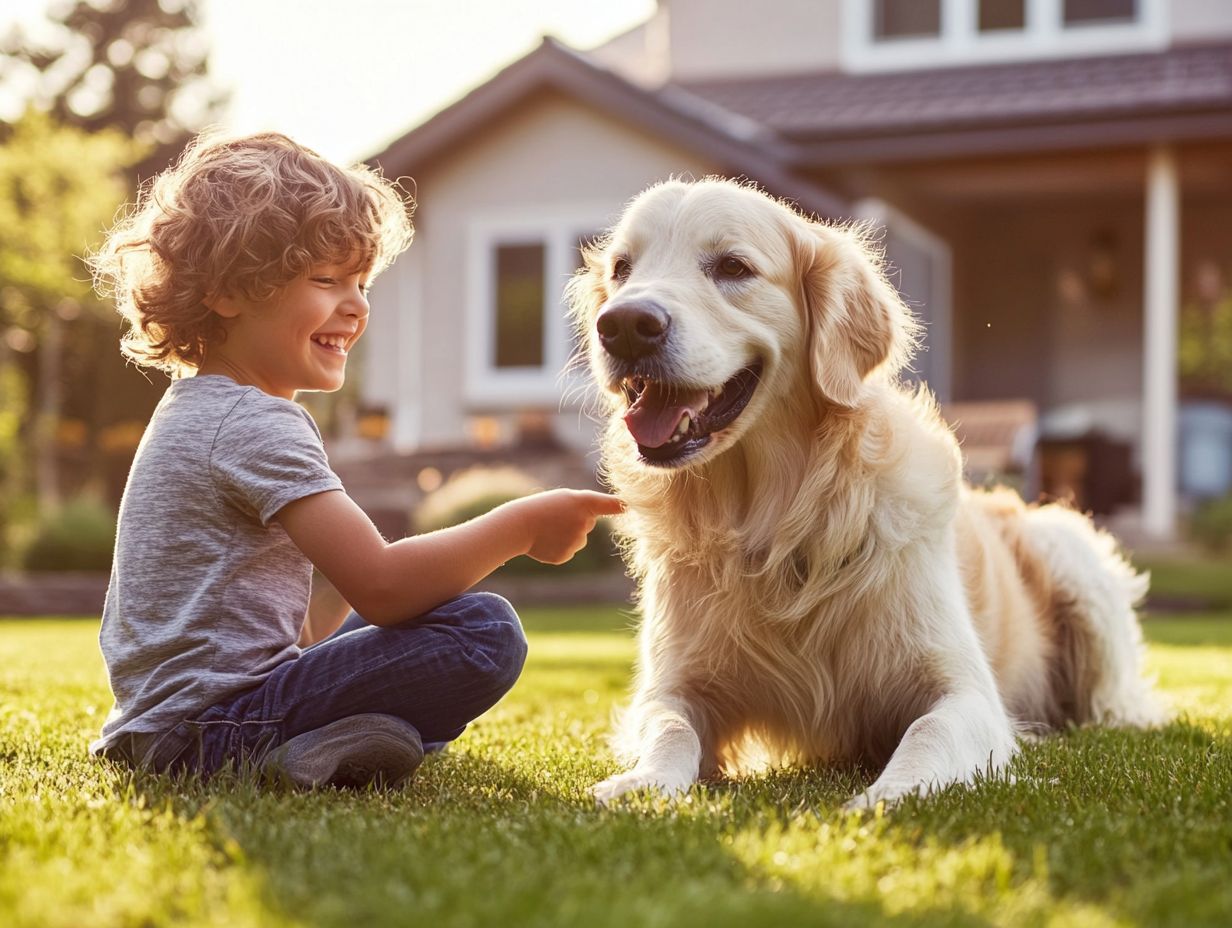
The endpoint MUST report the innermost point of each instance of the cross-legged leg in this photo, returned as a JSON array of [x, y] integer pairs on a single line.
[[437, 673]]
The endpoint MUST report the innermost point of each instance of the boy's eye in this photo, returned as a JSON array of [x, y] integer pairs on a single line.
[[323, 280]]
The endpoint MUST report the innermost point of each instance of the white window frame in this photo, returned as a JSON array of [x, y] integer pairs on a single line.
[[961, 42], [487, 386]]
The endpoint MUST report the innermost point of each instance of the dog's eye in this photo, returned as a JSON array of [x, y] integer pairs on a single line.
[[731, 268], [621, 269]]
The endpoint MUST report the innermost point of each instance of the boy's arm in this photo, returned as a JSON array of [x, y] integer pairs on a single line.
[[388, 583]]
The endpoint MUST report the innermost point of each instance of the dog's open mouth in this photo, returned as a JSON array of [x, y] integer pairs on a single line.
[[671, 423]]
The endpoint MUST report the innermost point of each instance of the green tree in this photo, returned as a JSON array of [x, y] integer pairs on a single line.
[[140, 66], [59, 187], [1204, 348], [12, 406], [134, 74]]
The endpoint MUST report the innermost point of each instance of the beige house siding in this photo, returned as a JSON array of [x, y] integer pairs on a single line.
[[1200, 20], [732, 38], [695, 39], [640, 55], [549, 157]]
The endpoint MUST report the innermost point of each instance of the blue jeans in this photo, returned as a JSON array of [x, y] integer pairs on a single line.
[[439, 672]]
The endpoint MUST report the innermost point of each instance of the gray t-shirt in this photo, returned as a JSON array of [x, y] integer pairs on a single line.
[[207, 594]]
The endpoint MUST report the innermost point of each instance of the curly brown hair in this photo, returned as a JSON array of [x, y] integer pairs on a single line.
[[241, 217]]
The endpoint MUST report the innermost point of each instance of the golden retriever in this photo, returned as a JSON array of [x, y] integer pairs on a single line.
[[816, 582]]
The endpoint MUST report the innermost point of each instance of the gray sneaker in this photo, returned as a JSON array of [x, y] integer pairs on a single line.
[[351, 752]]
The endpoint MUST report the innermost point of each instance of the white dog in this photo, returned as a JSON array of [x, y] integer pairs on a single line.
[[816, 583]]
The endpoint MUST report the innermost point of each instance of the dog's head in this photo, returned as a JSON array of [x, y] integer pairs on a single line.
[[710, 304]]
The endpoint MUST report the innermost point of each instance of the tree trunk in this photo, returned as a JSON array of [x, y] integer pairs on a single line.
[[47, 415]]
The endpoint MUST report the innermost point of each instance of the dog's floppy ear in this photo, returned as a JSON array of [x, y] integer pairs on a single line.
[[855, 320]]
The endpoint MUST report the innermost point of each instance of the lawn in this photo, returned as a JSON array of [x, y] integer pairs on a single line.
[[1098, 828]]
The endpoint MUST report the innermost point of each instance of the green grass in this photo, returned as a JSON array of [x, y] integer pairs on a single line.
[[1203, 581], [1098, 828]]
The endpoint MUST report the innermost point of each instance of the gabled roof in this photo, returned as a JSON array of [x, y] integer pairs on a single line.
[[832, 118], [741, 146]]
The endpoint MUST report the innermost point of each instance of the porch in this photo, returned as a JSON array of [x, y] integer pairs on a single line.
[[1058, 279]]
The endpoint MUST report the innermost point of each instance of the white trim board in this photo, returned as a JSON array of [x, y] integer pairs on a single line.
[[486, 386], [961, 42]]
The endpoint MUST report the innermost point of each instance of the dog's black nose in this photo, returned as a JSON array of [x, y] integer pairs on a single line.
[[633, 330]]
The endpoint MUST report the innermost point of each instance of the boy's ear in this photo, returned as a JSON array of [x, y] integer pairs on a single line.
[[222, 304]]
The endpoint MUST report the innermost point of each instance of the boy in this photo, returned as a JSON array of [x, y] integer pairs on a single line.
[[242, 272]]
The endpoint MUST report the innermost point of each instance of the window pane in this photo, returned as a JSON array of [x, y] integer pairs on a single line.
[[1100, 11], [519, 305], [899, 18], [1002, 14]]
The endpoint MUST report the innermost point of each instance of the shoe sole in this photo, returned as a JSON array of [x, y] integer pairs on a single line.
[[353, 753]]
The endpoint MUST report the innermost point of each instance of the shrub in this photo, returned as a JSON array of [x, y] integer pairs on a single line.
[[1211, 524], [473, 492], [78, 536]]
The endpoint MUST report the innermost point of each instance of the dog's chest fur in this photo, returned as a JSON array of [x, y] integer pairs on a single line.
[[777, 591], [807, 676]]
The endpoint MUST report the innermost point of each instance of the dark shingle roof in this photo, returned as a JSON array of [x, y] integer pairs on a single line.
[[817, 107]]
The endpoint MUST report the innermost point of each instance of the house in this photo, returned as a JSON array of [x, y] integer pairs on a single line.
[[1051, 175]]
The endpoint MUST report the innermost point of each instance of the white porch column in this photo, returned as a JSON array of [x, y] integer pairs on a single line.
[[1161, 290]]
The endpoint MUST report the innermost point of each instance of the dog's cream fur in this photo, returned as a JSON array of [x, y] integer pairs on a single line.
[[817, 585]]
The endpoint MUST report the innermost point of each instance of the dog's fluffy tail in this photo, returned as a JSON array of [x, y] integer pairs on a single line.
[[1098, 673]]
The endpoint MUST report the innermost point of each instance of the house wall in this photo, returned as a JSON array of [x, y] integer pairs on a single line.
[[722, 38], [641, 55], [1200, 20], [386, 362], [550, 156], [1032, 322]]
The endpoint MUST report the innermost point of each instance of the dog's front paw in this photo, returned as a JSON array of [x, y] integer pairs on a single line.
[[636, 779], [878, 794], [861, 802]]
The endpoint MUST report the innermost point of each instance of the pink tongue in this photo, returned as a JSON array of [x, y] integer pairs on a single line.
[[652, 420]]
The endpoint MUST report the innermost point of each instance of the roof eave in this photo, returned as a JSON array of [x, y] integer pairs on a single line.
[[955, 143], [741, 150]]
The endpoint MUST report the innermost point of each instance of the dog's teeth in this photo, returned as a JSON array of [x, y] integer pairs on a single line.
[[685, 422], [716, 393]]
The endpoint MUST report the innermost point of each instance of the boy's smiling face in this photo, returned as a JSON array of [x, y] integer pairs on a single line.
[[297, 340]]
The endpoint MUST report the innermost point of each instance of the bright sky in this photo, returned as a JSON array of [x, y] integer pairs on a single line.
[[347, 76]]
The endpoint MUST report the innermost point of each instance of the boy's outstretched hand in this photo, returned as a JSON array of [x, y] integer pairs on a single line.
[[388, 583], [558, 521]]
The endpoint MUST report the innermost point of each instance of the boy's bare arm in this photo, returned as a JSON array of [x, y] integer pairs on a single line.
[[388, 583]]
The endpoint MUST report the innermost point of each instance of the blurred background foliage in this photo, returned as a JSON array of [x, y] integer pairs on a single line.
[[476, 490], [140, 66], [112, 90]]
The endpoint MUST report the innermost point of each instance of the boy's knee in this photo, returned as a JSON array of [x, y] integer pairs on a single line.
[[497, 631]]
